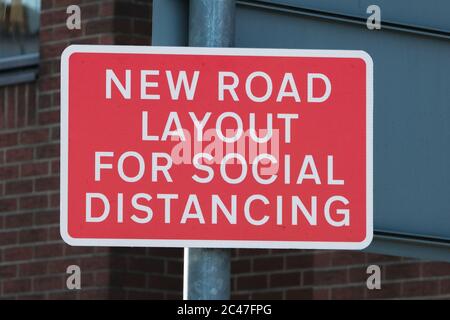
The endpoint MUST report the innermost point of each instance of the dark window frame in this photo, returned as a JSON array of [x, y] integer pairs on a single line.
[[19, 69]]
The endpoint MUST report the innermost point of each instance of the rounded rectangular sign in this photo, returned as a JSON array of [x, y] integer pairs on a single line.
[[216, 147]]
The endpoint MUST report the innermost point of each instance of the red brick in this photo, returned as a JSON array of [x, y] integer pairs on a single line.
[[18, 253], [19, 154], [10, 106], [141, 26], [33, 235], [118, 262], [49, 117], [436, 269], [60, 266], [33, 296], [339, 258], [48, 151], [445, 286], [98, 294], [373, 258], [34, 136], [420, 288], [53, 17], [164, 282], [240, 266], [2, 109], [32, 269], [106, 9], [64, 295], [389, 290], [321, 294], [49, 283], [322, 259], [16, 286], [8, 139], [8, 205], [299, 294], [144, 295], [359, 274], [76, 251], [21, 106], [289, 279], [347, 293], [56, 96], [251, 282], [8, 271], [240, 296], [47, 184], [32, 105], [56, 134], [147, 265], [19, 220], [161, 252], [19, 187], [46, 217], [95, 263], [8, 238], [108, 39], [54, 200], [268, 264], [49, 83], [45, 100], [174, 267], [34, 169], [9, 172], [402, 271], [324, 277], [133, 279], [48, 250], [54, 233], [252, 252], [102, 278], [45, 68], [33, 202], [271, 295], [90, 10], [55, 167], [300, 262], [99, 26]]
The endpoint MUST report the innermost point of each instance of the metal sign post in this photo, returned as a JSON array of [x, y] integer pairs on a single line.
[[207, 271]]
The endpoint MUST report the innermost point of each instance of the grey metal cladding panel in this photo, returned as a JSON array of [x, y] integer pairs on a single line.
[[411, 111], [170, 22], [433, 14]]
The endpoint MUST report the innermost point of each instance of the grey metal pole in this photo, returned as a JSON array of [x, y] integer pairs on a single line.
[[211, 23], [207, 271]]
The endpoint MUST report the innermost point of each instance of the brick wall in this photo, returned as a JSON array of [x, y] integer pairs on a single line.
[[301, 274], [33, 259]]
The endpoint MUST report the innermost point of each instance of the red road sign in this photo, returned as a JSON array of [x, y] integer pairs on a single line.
[[214, 147]]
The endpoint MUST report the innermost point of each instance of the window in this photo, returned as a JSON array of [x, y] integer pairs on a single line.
[[19, 40]]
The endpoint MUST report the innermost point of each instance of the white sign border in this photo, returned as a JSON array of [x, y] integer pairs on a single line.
[[260, 244]]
